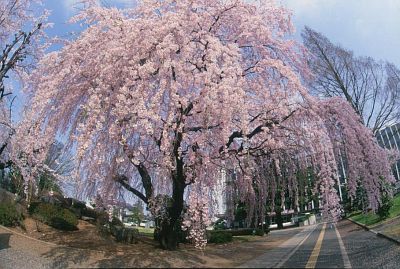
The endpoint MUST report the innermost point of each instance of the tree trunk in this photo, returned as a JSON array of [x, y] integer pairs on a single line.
[[279, 220], [169, 234]]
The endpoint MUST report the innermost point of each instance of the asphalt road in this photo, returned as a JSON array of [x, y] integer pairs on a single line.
[[344, 245]]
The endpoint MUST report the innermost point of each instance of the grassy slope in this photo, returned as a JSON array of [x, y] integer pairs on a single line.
[[371, 218]]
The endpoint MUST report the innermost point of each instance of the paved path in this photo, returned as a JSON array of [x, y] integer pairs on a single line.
[[18, 251], [345, 245], [15, 254]]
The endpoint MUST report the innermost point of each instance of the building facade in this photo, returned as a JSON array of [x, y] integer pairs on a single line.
[[389, 138]]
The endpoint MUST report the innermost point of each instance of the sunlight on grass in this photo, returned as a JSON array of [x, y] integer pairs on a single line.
[[146, 231], [243, 238], [395, 209], [367, 219], [371, 218]]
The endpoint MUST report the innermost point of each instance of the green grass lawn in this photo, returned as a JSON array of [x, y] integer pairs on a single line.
[[371, 218], [395, 209], [366, 219], [146, 231], [243, 238]]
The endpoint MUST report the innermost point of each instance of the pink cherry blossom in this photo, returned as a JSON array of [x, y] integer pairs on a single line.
[[158, 99]]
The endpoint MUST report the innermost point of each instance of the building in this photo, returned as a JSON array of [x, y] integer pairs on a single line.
[[389, 137]]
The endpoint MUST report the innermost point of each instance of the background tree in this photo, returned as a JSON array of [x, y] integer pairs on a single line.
[[60, 164], [159, 98], [137, 213], [372, 88], [20, 32]]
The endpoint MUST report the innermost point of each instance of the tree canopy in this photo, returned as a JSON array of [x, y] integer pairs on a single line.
[[159, 98]]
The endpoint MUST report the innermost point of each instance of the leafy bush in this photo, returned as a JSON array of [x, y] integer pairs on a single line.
[[106, 228], [384, 208], [103, 218], [53, 215], [219, 237], [78, 205], [259, 232], [88, 212], [9, 215]]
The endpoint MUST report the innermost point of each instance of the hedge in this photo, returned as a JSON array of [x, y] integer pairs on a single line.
[[243, 231], [219, 236], [222, 236]]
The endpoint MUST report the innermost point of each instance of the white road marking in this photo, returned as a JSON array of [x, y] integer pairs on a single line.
[[282, 262], [343, 251]]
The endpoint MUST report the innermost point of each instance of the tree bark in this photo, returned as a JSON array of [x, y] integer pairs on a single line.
[[278, 218], [170, 230]]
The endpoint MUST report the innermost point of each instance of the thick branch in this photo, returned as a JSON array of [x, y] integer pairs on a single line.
[[146, 180], [257, 130], [123, 180]]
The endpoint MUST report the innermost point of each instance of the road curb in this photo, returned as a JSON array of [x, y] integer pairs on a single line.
[[365, 227], [388, 237]]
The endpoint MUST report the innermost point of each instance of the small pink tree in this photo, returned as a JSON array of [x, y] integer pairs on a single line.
[[159, 98]]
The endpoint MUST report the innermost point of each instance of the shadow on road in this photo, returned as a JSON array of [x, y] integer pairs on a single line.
[[4, 240]]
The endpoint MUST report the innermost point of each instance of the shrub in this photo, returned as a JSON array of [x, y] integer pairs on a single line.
[[9, 215], [88, 212], [219, 237], [259, 232], [383, 210], [106, 228], [125, 235], [78, 205], [55, 216]]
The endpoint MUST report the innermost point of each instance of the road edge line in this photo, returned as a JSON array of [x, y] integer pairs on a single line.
[[345, 257]]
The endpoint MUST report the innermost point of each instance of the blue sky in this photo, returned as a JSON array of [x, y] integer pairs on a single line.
[[368, 27]]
